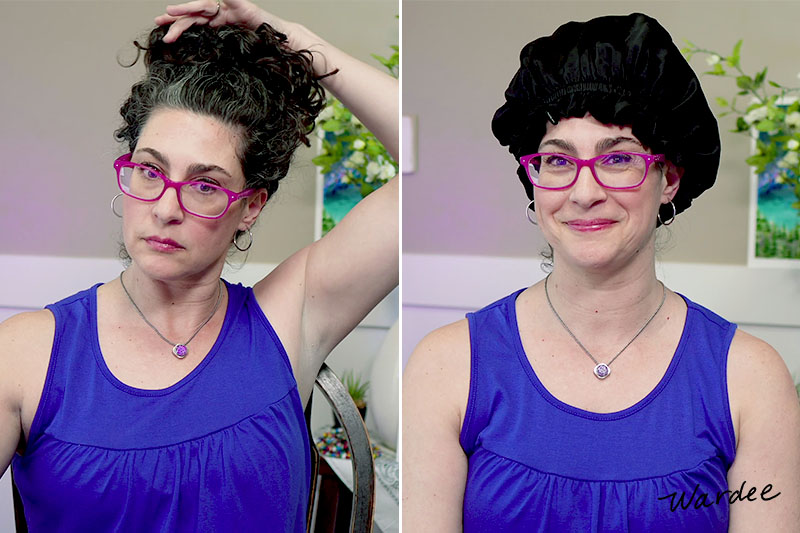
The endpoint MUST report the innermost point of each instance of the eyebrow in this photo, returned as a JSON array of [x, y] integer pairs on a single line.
[[601, 146], [194, 168]]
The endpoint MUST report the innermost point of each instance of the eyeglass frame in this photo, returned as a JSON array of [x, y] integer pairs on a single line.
[[125, 161], [648, 158]]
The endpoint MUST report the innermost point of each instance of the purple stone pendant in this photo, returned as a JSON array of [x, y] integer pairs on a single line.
[[602, 371], [180, 351]]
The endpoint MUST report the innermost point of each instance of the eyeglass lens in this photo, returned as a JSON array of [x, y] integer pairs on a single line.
[[199, 198], [612, 170]]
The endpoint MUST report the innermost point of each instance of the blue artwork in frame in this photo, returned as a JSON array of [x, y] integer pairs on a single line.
[[774, 222]]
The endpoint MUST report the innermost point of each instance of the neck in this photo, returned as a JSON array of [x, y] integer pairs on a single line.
[[604, 303], [173, 305]]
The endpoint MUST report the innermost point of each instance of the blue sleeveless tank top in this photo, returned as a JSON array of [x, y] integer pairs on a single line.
[[224, 449], [537, 464]]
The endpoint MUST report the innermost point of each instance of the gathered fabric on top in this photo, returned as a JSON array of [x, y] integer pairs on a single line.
[[537, 464], [224, 449]]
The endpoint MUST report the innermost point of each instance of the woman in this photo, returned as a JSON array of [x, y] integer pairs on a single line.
[[599, 400], [168, 399]]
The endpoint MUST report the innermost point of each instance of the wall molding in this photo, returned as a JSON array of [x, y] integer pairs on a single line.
[[30, 282], [746, 295]]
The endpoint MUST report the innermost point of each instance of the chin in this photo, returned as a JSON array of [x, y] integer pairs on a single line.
[[161, 268], [592, 256]]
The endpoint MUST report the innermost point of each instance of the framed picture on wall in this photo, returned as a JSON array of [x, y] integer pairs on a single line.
[[774, 225]]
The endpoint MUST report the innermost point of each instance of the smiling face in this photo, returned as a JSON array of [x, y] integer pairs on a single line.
[[587, 225], [162, 239]]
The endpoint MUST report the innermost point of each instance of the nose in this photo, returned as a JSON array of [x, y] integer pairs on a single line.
[[168, 209], [586, 191]]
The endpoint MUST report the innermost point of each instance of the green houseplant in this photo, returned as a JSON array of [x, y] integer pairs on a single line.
[[351, 158], [357, 388], [769, 113]]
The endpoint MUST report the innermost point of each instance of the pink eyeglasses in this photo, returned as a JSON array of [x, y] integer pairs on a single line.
[[200, 198], [616, 170]]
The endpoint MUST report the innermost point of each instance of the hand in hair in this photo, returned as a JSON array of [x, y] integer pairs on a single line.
[[232, 12], [248, 15]]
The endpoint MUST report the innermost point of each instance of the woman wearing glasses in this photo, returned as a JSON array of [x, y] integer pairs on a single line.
[[598, 399], [168, 399]]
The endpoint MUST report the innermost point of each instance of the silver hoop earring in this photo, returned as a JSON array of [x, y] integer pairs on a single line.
[[112, 205], [249, 244], [669, 220], [528, 208]]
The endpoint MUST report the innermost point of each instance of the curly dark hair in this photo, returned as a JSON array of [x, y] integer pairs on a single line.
[[249, 80]]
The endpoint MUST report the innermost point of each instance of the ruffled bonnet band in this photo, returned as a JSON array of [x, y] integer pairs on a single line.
[[623, 70]]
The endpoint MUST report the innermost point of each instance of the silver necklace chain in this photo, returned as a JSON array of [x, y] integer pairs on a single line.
[[602, 370], [180, 349]]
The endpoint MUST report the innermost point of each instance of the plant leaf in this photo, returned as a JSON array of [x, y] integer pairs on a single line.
[[765, 125], [366, 188], [759, 80], [744, 82], [733, 60], [741, 125], [331, 125]]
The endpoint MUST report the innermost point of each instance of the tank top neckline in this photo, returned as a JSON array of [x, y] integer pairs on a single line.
[[559, 404], [135, 391]]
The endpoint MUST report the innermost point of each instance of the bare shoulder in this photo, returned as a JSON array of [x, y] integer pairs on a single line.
[[26, 341], [766, 415], [435, 391], [758, 381], [441, 363], [444, 349], [22, 336], [755, 367]]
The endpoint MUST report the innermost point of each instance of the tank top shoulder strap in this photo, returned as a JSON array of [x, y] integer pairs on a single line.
[[74, 317], [702, 375], [493, 352]]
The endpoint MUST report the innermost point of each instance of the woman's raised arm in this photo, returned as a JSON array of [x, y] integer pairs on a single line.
[[318, 295], [372, 95]]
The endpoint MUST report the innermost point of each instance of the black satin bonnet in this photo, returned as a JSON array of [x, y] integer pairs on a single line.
[[623, 70]]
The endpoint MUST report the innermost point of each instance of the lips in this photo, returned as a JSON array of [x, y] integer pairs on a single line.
[[163, 244], [593, 224]]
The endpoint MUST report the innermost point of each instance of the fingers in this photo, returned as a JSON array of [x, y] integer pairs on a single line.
[[196, 7], [183, 16], [180, 25], [215, 14], [165, 19]]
